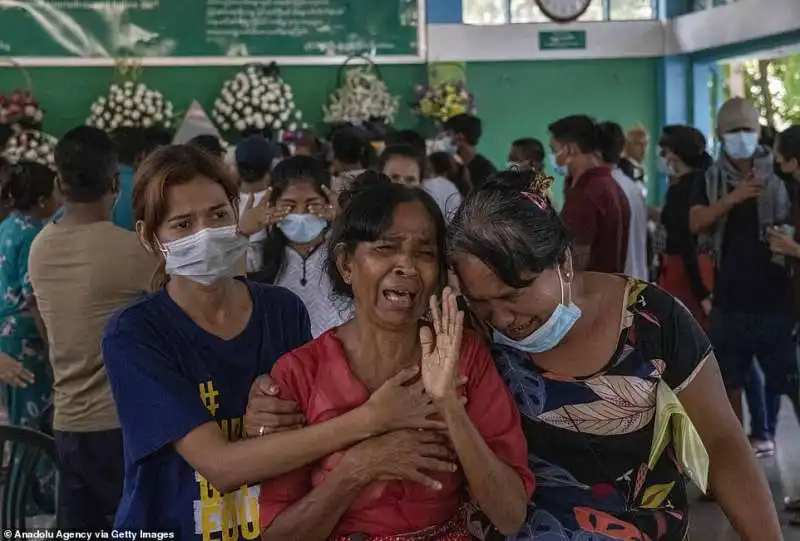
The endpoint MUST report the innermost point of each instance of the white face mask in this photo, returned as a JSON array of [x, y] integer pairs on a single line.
[[206, 256]]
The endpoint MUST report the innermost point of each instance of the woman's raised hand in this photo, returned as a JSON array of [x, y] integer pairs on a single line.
[[440, 353], [331, 210], [256, 217], [398, 404]]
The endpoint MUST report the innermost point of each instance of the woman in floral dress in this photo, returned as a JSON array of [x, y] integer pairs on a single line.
[[594, 361], [28, 191]]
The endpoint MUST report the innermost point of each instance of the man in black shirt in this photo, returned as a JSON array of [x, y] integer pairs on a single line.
[[465, 132], [741, 199]]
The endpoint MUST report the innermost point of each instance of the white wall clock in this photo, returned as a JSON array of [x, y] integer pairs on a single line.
[[563, 11]]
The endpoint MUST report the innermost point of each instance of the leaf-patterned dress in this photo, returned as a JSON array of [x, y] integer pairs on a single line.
[[589, 438]]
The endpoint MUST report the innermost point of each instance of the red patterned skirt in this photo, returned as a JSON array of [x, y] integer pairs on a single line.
[[453, 530]]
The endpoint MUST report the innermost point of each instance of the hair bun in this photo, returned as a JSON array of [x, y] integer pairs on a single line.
[[366, 181], [542, 184]]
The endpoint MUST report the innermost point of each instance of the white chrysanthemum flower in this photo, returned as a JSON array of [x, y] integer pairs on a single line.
[[362, 97], [130, 105], [254, 98], [30, 145]]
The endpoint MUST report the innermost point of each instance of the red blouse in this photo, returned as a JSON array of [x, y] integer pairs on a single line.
[[317, 376]]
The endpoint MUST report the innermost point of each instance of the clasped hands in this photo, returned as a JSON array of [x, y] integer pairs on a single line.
[[406, 441]]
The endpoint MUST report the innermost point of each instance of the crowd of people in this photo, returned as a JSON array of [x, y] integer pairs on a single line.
[[379, 342]]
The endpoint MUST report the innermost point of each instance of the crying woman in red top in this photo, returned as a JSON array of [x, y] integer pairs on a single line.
[[387, 257]]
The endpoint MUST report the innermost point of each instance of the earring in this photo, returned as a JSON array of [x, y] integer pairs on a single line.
[[347, 279]]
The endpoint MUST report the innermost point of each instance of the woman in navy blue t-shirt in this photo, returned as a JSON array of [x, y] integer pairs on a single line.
[[182, 360]]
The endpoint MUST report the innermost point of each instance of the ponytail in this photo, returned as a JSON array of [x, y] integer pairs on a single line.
[[160, 277]]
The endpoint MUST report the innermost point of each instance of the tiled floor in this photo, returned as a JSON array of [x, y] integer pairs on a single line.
[[783, 472]]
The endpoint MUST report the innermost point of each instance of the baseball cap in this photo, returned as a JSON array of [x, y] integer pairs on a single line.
[[255, 153], [736, 114]]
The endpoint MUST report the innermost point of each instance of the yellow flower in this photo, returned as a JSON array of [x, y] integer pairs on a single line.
[[458, 109]]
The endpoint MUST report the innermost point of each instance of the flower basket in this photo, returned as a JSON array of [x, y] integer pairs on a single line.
[[131, 105], [443, 101], [257, 99], [362, 96], [31, 145]]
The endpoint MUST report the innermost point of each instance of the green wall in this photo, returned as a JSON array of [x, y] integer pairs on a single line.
[[515, 99], [520, 99]]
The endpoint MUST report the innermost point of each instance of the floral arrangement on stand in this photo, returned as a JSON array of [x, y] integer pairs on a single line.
[[361, 97], [130, 104], [20, 111], [257, 98], [443, 101], [31, 145]]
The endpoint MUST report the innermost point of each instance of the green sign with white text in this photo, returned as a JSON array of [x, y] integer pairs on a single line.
[[557, 40]]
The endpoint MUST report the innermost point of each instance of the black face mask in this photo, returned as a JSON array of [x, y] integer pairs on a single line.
[[786, 177]]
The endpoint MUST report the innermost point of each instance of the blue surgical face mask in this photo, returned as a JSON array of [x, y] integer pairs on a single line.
[[302, 228], [445, 144], [551, 333], [740, 145], [562, 170]]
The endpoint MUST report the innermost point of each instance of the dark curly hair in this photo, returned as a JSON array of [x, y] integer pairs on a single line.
[[367, 211]]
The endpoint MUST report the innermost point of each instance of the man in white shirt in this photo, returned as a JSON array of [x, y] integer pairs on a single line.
[[613, 141]]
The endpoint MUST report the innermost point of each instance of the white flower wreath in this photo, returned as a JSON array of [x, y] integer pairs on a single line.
[[257, 98], [363, 97], [31, 145], [131, 105]]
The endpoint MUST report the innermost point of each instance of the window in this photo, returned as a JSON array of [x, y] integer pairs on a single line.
[[526, 11], [700, 5], [631, 10], [485, 12]]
